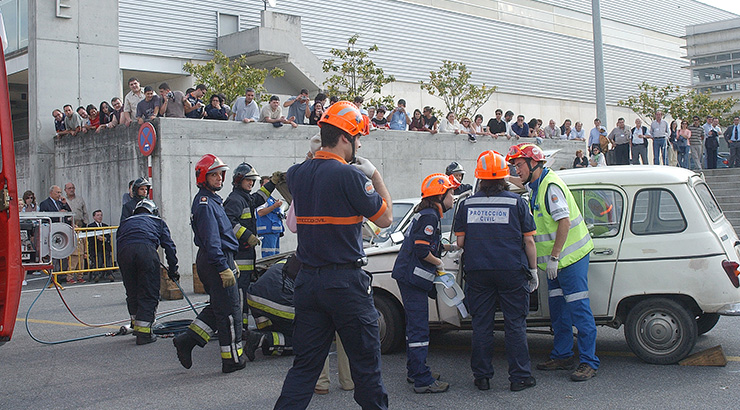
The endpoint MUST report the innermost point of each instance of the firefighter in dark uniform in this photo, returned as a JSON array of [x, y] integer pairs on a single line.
[[415, 269], [332, 292], [496, 230], [216, 269], [140, 189], [138, 238], [240, 208], [457, 172], [270, 300]]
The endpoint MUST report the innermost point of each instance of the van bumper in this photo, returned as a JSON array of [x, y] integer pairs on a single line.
[[732, 309]]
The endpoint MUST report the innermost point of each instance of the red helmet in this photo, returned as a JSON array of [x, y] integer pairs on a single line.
[[435, 184], [491, 165], [207, 164], [453, 181], [525, 150], [347, 117]]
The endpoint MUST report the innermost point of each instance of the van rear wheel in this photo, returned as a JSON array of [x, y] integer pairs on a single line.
[[706, 321], [660, 331]]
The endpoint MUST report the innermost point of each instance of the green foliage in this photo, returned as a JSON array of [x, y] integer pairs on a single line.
[[231, 76], [452, 83], [353, 73], [670, 100]]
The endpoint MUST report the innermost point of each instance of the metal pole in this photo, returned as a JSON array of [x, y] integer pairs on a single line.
[[599, 62]]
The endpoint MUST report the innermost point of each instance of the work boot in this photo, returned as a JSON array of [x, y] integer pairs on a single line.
[[583, 373], [482, 383], [145, 338], [435, 376], [436, 387], [251, 343], [184, 343], [229, 365], [524, 384], [557, 364]]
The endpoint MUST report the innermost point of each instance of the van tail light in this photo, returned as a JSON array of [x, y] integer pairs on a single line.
[[732, 272]]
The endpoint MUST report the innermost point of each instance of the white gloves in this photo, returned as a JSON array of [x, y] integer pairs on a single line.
[[552, 268], [364, 165], [534, 283], [453, 247]]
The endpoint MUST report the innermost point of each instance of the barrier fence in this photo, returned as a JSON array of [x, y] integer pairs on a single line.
[[94, 254]]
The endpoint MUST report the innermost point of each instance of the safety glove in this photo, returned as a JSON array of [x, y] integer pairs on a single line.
[[172, 273], [253, 240], [277, 176], [364, 165], [552, 268], [534, 281], [227, 277]]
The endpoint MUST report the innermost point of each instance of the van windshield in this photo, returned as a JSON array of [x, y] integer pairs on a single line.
[[707, 199]]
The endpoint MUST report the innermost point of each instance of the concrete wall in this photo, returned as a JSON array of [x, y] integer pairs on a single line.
[[21, 166], [101, 165]]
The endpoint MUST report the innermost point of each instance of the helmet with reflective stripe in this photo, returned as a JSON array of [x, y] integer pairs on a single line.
[[491, 165], [435, 184], [345, 116], [525, 150], [244, 170], [207, 164], [453, 168], [146, 205]]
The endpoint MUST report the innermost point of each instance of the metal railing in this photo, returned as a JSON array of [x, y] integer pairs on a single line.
[[94, 252]]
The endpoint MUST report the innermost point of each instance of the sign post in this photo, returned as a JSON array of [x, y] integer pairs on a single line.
[[147, 139]]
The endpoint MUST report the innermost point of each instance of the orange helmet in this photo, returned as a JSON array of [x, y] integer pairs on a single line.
[[435, 184], [347, 117], [525, 150], [207, 164], [491, 165]]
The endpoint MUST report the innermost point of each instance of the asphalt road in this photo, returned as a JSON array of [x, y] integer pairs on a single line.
[[112, 372]]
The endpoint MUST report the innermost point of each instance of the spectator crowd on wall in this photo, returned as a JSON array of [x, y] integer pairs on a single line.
[[685, 143]]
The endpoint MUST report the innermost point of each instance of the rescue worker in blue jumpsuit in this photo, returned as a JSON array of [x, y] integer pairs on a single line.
[[217, 245], [496, 231], [270, 224], [270, 300], [138, 238], [240, 208], [563, 247], [140, 190], [458, 172], [415, 269], [332, 292]]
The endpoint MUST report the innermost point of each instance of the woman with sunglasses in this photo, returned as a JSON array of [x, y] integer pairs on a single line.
[[29, 202]]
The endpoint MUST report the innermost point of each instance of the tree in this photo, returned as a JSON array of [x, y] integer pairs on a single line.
[[452, 83], [231, 77], [355, 74], [669, 99]]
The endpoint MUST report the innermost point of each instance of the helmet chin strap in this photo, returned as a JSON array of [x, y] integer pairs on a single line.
[[531, 169], [352, 141]]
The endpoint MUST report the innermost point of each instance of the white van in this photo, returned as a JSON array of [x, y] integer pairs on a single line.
[[664, 263]]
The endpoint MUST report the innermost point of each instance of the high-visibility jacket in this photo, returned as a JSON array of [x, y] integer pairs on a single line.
[[578, 243], [272, 222]]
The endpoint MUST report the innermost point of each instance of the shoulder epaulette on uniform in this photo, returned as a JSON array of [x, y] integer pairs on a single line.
[[203, 200]]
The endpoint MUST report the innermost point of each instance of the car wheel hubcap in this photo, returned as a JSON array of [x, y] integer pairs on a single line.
[[659, 332]]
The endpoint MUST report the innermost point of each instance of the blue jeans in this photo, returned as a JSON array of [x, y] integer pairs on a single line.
[[659, 151], [569, 306]]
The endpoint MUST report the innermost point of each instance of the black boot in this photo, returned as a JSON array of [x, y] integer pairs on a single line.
[[252, 342], [184, 343], [145, 338], [229, 365]]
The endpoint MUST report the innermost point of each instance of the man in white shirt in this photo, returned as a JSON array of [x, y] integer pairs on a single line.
[[552, 131], [131, 101], [245, 109], [660, 132], [640, 134]]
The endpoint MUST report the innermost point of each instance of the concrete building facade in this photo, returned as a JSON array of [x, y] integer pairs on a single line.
[[713, 50], [538, 52]]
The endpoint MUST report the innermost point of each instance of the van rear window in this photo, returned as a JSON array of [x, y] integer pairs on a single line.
[[656, 211], [707, 199], [601, 210]]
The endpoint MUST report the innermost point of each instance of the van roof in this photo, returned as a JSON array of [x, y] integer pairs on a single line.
[[627, 175]]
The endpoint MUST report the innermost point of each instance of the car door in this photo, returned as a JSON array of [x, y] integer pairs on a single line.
[[604, 212]]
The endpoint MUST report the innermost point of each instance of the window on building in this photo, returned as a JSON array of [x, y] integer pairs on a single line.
[[736, 56], [720, 73], [601, 210], [736, 71], [227, 24], [656, 211]]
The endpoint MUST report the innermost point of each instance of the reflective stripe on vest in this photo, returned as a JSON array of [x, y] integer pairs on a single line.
[[268, 306], [578, 243]]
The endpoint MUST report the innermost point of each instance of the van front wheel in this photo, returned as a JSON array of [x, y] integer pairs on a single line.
[[660, 331]]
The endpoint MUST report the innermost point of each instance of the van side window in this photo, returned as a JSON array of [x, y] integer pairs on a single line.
[[601, 210], [656, 211]]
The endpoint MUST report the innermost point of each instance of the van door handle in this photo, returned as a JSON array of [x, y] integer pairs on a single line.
[[604, 252]]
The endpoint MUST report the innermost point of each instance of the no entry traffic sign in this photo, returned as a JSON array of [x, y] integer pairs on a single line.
[[147, 139]]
